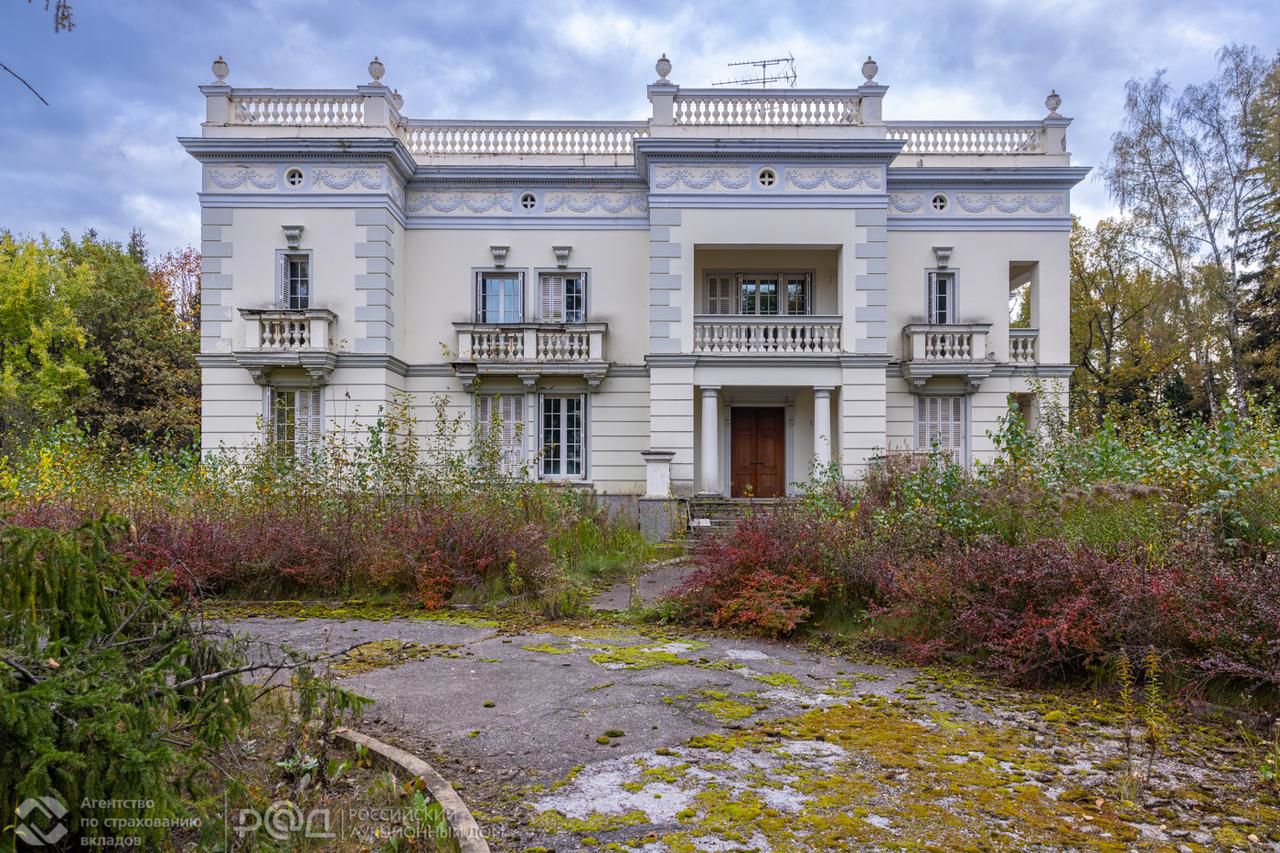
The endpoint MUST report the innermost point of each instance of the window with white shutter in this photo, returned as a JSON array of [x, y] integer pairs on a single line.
[[722, 294], [295, 419], [941, 297], [500, 418], [562, 297], [293, 281], [940, 421], [563, 424]]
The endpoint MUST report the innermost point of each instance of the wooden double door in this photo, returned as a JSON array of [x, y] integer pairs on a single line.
[[758, 451]]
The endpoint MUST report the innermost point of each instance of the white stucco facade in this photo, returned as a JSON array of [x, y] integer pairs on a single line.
[[749, 283]]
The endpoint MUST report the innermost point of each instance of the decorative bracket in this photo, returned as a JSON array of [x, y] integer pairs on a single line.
[[562, 255], [530, 380], [499, 255], [292, 235], [942, 254]]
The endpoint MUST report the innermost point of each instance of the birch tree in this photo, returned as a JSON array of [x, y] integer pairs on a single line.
[[1184, 171]]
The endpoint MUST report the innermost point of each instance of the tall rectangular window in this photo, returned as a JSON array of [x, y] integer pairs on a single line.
[[721, 293], [499, 297], [293, 282], [500, 419], [797, 291], [562, 434], [562, 297], [940, 421], [941, 297], [294, 419]]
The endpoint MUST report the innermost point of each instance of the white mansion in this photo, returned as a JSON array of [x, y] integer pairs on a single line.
[[749, 283]]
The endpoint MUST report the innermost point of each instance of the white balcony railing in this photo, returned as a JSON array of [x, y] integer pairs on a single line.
[[969, 137], [427, 137], [297, 108], [282, 330], [733, 335], [766, 107], [537, 343], [673, 108], [924, 342], [1023, 344]]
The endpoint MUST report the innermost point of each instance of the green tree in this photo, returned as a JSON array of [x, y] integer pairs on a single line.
[[44, 362], [1262, 320], [145, 376], [1184, 170], [1125, 334]]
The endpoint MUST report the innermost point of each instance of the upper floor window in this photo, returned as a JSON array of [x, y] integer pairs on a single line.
[[759, 293], [941, 297], [499, 297], [294, 419], [562, 297], [293, 285]]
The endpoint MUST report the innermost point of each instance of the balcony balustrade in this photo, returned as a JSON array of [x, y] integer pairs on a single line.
[[719, 334], [1024, 346], [280, 337], [531, 349], [940, 350]]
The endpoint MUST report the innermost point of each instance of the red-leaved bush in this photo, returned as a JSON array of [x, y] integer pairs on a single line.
[[764, 577]]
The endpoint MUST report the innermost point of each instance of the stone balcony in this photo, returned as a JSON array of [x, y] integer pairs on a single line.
[[951, 350], [1024, 346], [373, 110], [753, 335], [530, 350], [281, 337]]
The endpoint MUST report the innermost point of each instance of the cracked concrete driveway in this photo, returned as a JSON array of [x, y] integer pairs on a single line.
[[603, 736]]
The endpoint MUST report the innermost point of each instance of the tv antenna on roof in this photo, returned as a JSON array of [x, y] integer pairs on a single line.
[[780, 70]]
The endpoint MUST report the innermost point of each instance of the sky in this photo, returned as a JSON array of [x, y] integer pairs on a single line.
[[122, 85]]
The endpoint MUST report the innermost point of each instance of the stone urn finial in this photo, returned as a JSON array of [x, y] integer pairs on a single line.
[[1053, 102], [376, 70], [663, 67], [220, 69], [870, 69], [397, 99]]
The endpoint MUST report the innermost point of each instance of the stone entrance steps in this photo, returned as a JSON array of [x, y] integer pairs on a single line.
[[711, 515]]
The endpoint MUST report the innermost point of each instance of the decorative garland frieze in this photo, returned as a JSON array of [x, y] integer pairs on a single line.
[[237, 178], [1010, 203], [836, 179], [977, 204], [341, 179], [666, 178], [906, 202], [611, 203], [460, 202]]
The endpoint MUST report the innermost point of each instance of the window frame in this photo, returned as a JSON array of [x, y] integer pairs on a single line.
[[779, 277], [582, 273], [477, 294], [306, 438], [583, 444], [921, 425], [282, 298], [516, 451], [953, 313]]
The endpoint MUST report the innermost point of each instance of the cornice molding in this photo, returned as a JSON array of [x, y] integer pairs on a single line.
[[345, 150], [978, 178]]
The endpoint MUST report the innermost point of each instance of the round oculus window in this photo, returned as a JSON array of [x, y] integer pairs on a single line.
[[767, 177], [528, 201], [939, 202], [293, 177]]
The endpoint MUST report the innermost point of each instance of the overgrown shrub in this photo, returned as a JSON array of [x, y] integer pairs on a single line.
[[1040, 563], [765, 578], [378, 509]]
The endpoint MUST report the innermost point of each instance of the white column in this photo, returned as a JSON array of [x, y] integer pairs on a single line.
[[710, 449], [822, 427]]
